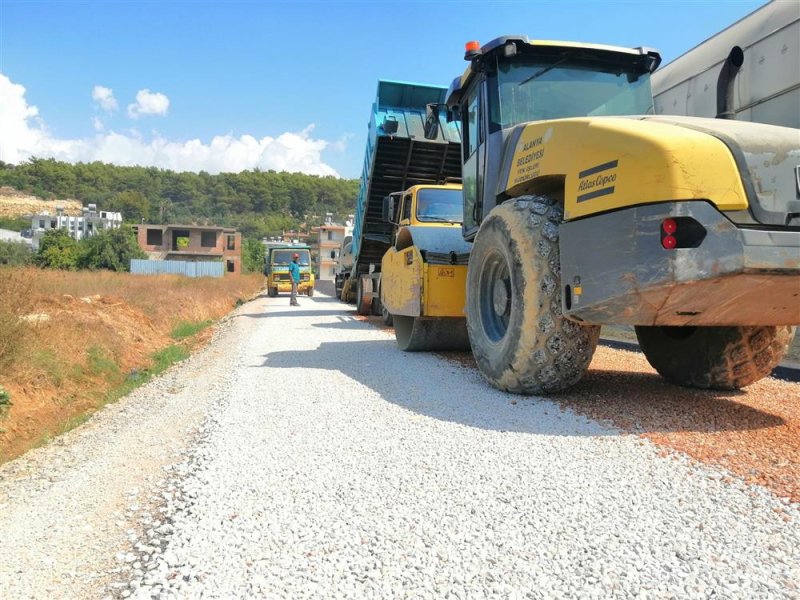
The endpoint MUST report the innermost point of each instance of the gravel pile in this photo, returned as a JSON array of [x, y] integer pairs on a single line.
[[335, 466]]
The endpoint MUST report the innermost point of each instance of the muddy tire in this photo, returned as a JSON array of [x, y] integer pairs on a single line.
[[722, 358], [521, 341], [273, 292], [419, 334], [363, 302], [310, 292]]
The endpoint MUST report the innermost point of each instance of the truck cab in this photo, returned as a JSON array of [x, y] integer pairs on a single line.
[[276, 270], [425, 206]]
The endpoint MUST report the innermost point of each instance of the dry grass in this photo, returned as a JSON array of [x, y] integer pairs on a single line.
[[15, 303], [86, 333]]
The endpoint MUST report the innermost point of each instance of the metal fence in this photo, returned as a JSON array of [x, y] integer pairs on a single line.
[[177, 267]]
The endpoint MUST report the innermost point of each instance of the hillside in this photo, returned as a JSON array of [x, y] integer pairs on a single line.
[[259, 203], [14, 203]]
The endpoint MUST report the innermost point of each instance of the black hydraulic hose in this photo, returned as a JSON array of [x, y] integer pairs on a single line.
[[727, 77]]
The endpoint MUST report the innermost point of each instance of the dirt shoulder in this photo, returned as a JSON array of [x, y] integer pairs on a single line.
[[72, 342]]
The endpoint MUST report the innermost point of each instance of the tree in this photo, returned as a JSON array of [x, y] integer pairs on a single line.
[[110, 249], [256, 201], [253, 255], [133, 205], [57, 250]]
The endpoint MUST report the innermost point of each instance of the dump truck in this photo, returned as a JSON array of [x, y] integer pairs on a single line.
[[404, 169], [584, 208], [766, 88], [276, 269]]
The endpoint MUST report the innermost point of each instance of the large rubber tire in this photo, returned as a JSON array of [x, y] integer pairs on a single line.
[[310, 292], [418, 334], [521, 341], [273, 292], [386, 316], [363, 303], [347, 291], [722, 358]]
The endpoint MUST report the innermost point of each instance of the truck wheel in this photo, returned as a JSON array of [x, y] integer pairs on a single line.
[[310, 292], [386, 316], [723, 358], [521, 341], [415, 334], [273, 292], [347, 291], [363, 302]]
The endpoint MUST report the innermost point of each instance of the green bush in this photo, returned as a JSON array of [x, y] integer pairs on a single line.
[[57, 250], [110, 249], [15, 253]]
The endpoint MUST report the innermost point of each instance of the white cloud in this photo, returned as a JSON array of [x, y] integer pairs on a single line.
[[148, 103], [24, 135], [340, 145], [104, 97]]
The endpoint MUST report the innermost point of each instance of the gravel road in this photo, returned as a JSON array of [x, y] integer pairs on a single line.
[[302, 455]]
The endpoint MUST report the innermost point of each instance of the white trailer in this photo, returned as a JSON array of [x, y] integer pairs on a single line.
[[767, 88]]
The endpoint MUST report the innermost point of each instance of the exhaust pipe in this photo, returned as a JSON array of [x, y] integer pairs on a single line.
[[727, 77]]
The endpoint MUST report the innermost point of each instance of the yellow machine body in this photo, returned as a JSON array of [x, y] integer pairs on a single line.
[[280, 281], [414, 288], [612, 163]]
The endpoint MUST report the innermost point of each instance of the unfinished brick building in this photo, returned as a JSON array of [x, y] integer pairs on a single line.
[[192, 243]]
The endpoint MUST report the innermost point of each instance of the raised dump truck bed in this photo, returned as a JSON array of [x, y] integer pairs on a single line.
[[397, 157]]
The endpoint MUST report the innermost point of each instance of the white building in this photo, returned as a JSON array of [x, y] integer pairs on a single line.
[[86, 225], [329, 246]]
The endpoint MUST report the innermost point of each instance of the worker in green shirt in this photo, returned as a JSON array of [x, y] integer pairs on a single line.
[[294, 275]]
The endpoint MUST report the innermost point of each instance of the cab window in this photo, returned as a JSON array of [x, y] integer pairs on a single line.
[[406, 215], [471, 129]]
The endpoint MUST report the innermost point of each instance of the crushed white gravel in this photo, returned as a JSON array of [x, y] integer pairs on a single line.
[[316, 460]]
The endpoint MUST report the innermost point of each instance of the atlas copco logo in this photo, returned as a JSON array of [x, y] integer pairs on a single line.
[[597, 181]]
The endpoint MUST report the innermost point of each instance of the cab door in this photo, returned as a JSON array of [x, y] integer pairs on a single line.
[[473, 149]]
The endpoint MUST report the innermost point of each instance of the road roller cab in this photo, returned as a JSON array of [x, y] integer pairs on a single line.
[[424, 272]]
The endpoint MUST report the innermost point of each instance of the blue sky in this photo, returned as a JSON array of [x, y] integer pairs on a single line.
[[284, 84]]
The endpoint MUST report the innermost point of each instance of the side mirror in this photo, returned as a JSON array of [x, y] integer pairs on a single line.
[[388, 209], [432, 121]]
